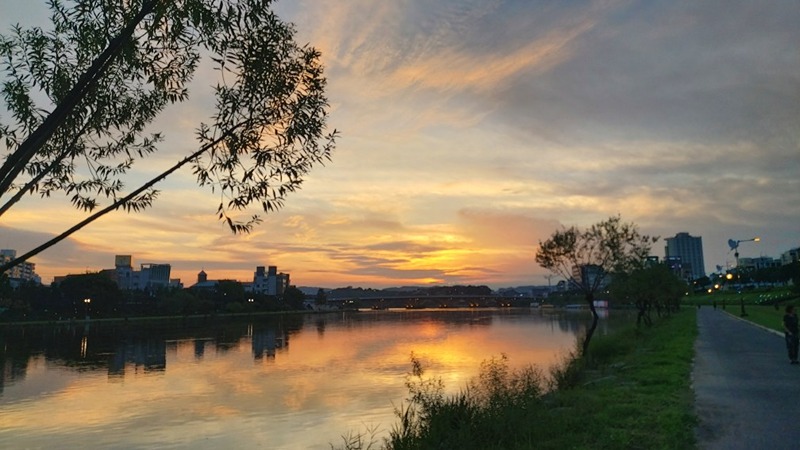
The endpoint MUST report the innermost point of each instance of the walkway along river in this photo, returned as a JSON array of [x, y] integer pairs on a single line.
[[747, 393]]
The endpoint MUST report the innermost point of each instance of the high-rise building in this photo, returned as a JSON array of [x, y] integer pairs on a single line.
[[690, 251]]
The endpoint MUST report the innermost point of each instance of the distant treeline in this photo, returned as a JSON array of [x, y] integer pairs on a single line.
[[97, 296]]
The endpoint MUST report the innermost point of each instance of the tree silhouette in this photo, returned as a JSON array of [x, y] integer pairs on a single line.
[[586, 258], [83, 96]]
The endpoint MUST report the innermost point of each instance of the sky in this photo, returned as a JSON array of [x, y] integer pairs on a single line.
[[472, 130]]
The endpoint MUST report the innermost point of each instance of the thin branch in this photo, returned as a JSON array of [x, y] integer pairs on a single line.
[[35, 180], [117, 204], [17, 161]]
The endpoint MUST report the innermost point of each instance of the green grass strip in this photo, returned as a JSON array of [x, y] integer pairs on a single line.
[[632, 391], [639, 397], [766, 316]]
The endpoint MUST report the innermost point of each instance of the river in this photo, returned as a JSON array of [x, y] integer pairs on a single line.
[[273, 382]]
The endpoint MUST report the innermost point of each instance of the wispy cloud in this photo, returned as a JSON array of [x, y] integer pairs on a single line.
[[472, 129]]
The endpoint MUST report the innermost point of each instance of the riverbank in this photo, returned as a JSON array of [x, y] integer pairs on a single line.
[[158, 319], [632, 391]]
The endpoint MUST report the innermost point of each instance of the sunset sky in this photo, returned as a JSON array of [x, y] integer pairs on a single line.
[[471, 130]]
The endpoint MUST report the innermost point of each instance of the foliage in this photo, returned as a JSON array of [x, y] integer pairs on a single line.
[[101, 291], [83, 95], [486, 415], [792, 272], [173, 302], [228, 291], [605, 248], [655, 287], [611, 245], [320, 298], [64, 300], [633, 392], [294, 297]]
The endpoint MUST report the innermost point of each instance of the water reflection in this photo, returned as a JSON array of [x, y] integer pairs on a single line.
[[220, 382]]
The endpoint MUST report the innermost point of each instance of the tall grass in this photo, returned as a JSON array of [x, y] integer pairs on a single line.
[[630, 391], [487, 414]]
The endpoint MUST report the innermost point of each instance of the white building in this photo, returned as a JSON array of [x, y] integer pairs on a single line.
[[763, 262], [20, 273], [150, 276], [790, 256], [269, 281]]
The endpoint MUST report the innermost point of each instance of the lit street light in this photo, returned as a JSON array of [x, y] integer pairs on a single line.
[[734, 245], [87, 302]]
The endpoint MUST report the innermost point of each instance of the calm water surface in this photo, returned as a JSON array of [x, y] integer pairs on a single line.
[[290, 382]]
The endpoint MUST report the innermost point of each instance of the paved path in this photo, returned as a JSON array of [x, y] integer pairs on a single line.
[[747, 395]]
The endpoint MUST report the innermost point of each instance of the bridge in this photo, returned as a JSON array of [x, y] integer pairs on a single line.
[[431, 301]]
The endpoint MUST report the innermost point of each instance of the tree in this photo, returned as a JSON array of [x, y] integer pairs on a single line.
[[228, 291], [587, 258], [320, 298], [90, 293], [83, 96], [293, 297], [650, 287]]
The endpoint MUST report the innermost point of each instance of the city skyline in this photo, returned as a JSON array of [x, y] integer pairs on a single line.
[[472, 130], [201, 277]]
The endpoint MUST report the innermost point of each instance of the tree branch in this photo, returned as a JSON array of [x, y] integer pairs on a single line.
[[17, 161], [119, 203]]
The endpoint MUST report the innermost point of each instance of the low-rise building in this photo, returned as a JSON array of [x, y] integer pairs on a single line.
[[268, 281], [150, 276], [22, 272], [790, 256]]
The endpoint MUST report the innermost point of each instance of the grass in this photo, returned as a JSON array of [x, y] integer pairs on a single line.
[[731, 298], [766, 316], [638, 395], [632, 391], [759, 305]]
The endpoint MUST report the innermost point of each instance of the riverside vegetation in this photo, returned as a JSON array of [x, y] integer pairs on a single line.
[[631, 390]]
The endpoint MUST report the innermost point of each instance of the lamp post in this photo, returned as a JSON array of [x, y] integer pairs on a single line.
[[734, 245], [87, 302]]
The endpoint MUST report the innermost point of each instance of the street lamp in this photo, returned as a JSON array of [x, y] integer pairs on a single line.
[[87, 302], [734, 245]]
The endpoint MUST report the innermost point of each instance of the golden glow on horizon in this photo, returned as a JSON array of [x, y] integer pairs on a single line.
[[462, 149]]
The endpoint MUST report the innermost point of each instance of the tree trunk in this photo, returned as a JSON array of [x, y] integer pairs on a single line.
[[641, 305], [16, 161], [593, 327]]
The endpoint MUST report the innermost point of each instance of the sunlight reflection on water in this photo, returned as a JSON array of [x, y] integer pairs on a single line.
[[277, 382]]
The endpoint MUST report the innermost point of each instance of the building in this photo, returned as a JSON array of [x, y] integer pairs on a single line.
[[763, 262], [22, 272], [204, 283], [690, 251], [790, 256], [683, 271], [154, 276], [149, 277], [590, 275], [123, 271], [269, 281]]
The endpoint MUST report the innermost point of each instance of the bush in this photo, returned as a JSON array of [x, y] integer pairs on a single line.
[[490, 413]]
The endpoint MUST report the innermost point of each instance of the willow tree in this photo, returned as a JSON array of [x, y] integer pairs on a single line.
[[587, 258], [83, 96]]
